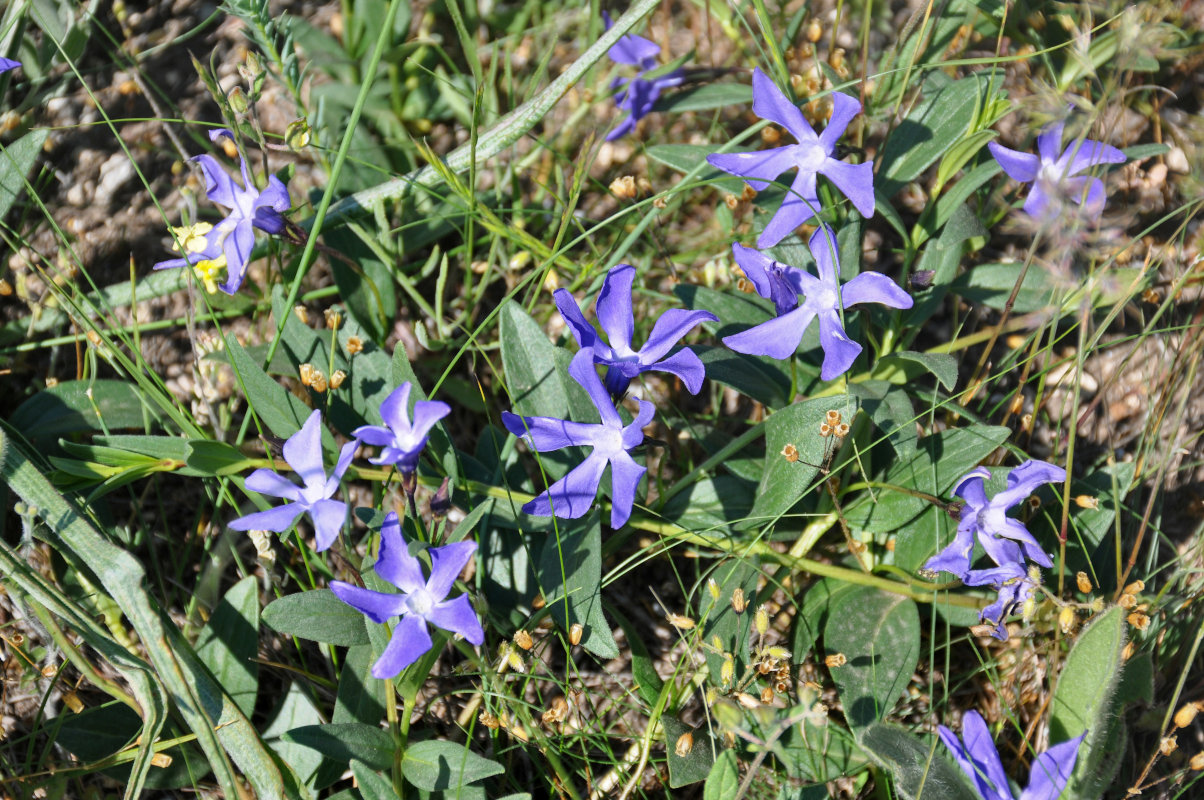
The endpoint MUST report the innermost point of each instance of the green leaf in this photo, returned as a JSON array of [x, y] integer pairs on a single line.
[[695, 765], [229, 643], [879, 635], [570, 570], [296, 710], [214, 458], [317, 615], [763, 379], [942, 257], [439, 765], [536, 371], [72, 406], [366, 284], [724, 779], [279, 409], [15, 163], [812, 614], [920, 771], [648, 683], [1082, 701], [931, 128], [345, 741], [371, 785], [942, 365], [783, 483], [360, 697], [689, 157], [935, 466], [991, 284], [891, 410], [704, 98], [718, 618]]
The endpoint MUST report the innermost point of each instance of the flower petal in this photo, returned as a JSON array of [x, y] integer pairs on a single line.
[[548, 433], [427, 414], [967, 763], [1049, 142], [800, 205], [955, 558], [278, 519], [1088, 192], [394, 562], [1001, 525], [375, 435], [970, 488], [171, 263], [582, 370], [1089, 153], [1040, 205], [458, 616], [758, 168], [669, 329], [839, 350], [844, 108], [346, 454], [1026, 479], [874, 287], [582, 331], [376, 606], [219, 186], [411, 640], [447, 562], [777, 338], [614, 306], [625, 126], [237, 248], [770, 103], [769, 277], [573, 495], [1018, 166], [855, 181], [981, 748], [303, 451], [328, 517], [265, 481], [625, 477], [7, 63], [1052, 769], [686, 365], [825, 250], [633, 434], [395, 409]]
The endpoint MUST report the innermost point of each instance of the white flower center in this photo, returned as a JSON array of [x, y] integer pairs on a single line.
[[810, 156], [825, 296], [420, 602], [610, 440]]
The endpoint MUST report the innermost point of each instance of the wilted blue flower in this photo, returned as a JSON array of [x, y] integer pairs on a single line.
[[573, 495], [618, 320], [249, 209], [637, 95], [202, 251], [402, 439], [979, 759], [302, 452], [421, 600], [7, 63], [812, 155], [1055, 177], [824, 298]]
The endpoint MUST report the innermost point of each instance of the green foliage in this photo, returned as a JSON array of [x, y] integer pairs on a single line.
[[570, 576], [920, 771], [317, 615], [438, 765]]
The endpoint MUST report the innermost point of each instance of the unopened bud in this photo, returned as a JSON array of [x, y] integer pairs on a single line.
[[761, 620], [790, 453], [814, 31], [337, 378], [334, 317], [1067, 619], [1086, 501], [727, 671], [306, 371], [1197, 762], [523, 640], [835, 660], [747, 700], [679, 622], [684, 744], [738, 601], [780, 653], [1017, 404], [713, 588], [1136, 587], [297, 135], [238, 100], [575, 633], [1186, 714], [302, 313]]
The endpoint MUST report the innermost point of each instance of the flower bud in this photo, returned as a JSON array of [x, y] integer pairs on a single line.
[[575, 633], [354, 345], [523, 640], [713, 588], [738, 601], [238, 100], [727, 672], [1083, 582], [1067, 619], [679, 622], [780, 653], [814, 31], [684, 744], [297, 135], [761, 620], [337, 378], [1186, 714]]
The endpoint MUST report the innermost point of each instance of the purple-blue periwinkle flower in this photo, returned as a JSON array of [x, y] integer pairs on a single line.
[[823, 297], [401, 438], [7, 64], [249, 209], [1055, 177], [422, 600], [637, 95], [812, 155], [202, 251], [302, 452], [573, 495], [978, 757], [614, 310], [986, 520]]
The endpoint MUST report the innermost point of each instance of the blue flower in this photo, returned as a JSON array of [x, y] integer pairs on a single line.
[[812, 156], [573, 495], [422, 600], [979, 759], [402, 439], [615, 312], [1055, 178], [7, 63], [302, 452], [824, 298], [249, 209], [637, 95]]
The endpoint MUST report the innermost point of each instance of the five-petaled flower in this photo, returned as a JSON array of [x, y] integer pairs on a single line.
[[249, 209], [402, 439], [573, 495], [202, 251], [302, 452], [979, 759], [614, 309], [421, 600], [1004, 539], [1055, 178], [824, 298], [637, 95], [812, 155]]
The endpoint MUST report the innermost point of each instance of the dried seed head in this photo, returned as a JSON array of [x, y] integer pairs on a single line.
[[334, 317], [767, 695], [790, 453], [825, 430], [856, 547], [1017, 404], [684, 744], [1168, 745], [623, 187], [1136, 587], [1186, 714], [1084, 582], [679, 622], [306, 371], [1067, 620], [771, 135], [982, 630], [643, 186], [302, 313], [1127, 601], [1151, 296], [747, 700], [557, 710], [814, 31], [835, 660], [731, 201], [1034, 502], [764, 667], [1138, 620], [524, 640], [1128, 652], [161, 760], [761, 620], [318, 382], [738, 601], [1026, 423], [1097, 605], [781, 687], [575, 633], [1197, 762], [841, 430], [93, 337], [354, 345], [490, 721], [1086, 501], [336, 380], [833, 417], [747, 194], [660, 203]]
